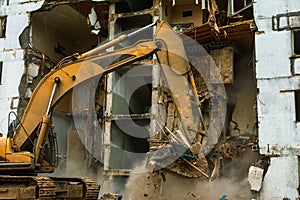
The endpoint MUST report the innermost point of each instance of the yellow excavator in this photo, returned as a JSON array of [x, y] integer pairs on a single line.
[[30, 150]]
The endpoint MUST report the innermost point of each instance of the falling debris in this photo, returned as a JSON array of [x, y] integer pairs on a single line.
[[255, 177], [93, 21]]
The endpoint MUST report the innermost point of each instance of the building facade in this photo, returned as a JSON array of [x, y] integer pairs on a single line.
[[277, 69], [255, 46]]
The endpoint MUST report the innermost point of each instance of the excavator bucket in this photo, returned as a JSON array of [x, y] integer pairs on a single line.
[[175, 68]]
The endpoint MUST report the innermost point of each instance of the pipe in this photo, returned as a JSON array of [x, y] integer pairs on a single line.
[[44, 128], [140, 30], [41, 137], [56, 82], [196, 168], [103, 47], [113, 42]]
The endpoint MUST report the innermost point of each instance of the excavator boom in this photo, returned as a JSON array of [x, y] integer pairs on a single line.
[[70, 77]]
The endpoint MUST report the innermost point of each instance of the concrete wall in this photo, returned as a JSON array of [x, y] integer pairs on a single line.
[[11, 54], [280, 181], [196, 18], [173, 14], [62, 25], [242, 96], [278, 130]]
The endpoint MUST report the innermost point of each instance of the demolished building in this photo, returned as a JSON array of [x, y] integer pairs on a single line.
[[260, 77]]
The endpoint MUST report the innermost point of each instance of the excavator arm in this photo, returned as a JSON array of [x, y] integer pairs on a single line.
[[36, 124], [69, 77]]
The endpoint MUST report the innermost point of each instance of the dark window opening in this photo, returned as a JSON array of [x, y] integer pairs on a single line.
[[140, 100], [3, 26], [129, 142], [239, 4], [240, 9], [187, 13], [126, 6], [133, 90], [205, 16], [297, 42], [1, 66], [297, 105], [131, 24]]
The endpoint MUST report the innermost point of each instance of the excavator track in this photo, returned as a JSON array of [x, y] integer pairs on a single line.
[[46, 188], [92, 189]]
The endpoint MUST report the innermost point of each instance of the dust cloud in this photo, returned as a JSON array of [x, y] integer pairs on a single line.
[[165, 186]]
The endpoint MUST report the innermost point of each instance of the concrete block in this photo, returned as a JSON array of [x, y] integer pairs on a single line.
[[255, 176], [32, 71]]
